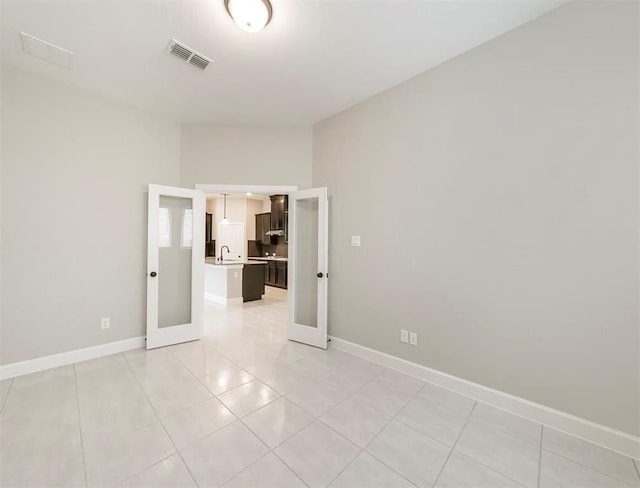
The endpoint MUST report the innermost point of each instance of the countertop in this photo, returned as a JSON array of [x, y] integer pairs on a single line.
[[212, 262], [269, 258]]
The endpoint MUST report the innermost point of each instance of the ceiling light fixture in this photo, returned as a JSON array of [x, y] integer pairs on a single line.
[[249, 15], [225, 220], [248, 193]]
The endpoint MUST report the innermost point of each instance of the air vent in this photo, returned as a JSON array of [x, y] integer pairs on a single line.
[[199, 61], [46, 51], [189, 55]]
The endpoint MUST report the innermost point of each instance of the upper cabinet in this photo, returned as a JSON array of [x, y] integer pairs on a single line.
[[263, 225], [279, 211]]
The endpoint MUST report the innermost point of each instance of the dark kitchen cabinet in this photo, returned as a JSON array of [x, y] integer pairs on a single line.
[[271, 273], [252, 282], [281, 274], [209, 244], [275, 274], [263, 225], [286, 226], [279, 205]]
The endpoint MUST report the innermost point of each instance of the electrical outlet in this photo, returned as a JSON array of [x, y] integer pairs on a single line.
[[105, 323], [413, 339], [404, 336], [355, 241]]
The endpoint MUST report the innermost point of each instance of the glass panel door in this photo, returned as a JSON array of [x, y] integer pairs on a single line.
[[308, 262], [175, 262]]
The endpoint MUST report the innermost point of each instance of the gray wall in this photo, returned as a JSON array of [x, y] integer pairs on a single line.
[[75, 171], [252, 155], [75, 174], [511, 175]]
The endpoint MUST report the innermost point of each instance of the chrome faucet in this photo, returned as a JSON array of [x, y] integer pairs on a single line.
[[222, 254]]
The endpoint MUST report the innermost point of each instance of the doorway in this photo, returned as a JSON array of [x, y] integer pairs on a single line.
[[239, 275], [249, 226]]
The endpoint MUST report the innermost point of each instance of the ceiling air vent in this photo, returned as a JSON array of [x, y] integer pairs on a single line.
[[189, 55], [46, 51]]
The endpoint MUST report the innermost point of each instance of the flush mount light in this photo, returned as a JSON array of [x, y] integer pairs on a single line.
[[249, 15]]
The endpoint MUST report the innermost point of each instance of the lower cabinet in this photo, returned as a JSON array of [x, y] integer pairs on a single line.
[[275, 274], [252, 282], [281, 274]]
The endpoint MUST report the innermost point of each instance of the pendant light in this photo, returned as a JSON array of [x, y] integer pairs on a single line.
[[225, 221], [249, 15]]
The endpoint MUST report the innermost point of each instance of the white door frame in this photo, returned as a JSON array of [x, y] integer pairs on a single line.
[[271, 189]]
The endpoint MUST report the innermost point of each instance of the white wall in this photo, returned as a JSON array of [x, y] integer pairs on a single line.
[[238, 210], [253, 155], [511, 175], [74, 181], [253, 207]]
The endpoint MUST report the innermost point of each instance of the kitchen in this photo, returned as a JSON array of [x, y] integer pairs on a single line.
[[246, 247]]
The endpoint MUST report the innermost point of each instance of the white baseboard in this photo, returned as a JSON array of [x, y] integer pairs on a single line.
[[615, 440], [223, 301], [47, 362]]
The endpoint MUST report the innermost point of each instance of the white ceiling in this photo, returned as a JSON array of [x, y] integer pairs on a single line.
[[313, 60]]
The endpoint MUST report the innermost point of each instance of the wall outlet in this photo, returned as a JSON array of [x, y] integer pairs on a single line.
[[355, 241], [404, 336], [105, 323], [413, 339]]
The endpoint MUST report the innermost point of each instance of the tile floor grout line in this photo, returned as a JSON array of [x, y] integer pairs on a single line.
[[453, 447], [4, 401], [84, 462], [269, 450], [314, 417], [390, 419], [238, 419], [490, 468], [540, 456], [149, 467], [163, 427], [589, 468]]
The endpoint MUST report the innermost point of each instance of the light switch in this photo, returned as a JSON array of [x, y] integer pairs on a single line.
[[355, 241]]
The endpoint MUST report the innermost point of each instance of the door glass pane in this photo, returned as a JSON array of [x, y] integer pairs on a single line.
[[306, 269], [174, 267]]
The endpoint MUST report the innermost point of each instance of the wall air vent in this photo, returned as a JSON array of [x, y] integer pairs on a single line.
[[188, 55]]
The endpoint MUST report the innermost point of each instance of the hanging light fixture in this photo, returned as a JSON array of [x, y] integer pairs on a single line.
[[249, 15], [225, 220]]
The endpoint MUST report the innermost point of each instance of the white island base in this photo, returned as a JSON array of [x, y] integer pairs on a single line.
[[223, 283]]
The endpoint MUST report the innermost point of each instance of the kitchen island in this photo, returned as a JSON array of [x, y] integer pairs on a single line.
[[233, 282]]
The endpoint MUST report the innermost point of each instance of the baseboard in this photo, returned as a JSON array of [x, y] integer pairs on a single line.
[[602, 435], [47, 362], [222, 300]]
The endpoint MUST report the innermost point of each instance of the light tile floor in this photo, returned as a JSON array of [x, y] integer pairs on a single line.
[[246, 408]]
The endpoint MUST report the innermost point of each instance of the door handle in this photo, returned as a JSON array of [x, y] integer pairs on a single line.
[[153, 274], [319, 275]]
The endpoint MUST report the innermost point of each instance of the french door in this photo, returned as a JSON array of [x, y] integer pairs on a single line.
[[175, 265], [308, 266]]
